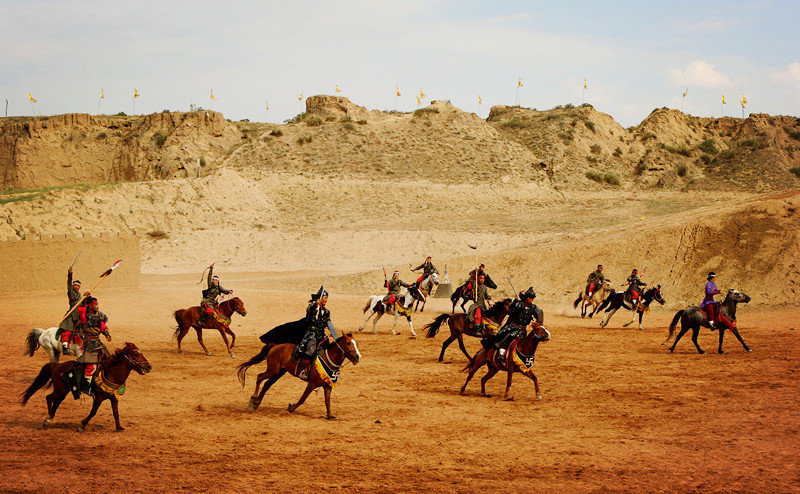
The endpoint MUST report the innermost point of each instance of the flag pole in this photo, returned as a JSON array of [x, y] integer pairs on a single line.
[[86, 294]]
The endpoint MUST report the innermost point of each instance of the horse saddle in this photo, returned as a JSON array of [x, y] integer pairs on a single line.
[[492, 326]]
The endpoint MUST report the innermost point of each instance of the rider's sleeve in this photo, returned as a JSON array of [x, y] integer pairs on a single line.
[[224, 290], [82, 314], [332, 329], [210, 273]]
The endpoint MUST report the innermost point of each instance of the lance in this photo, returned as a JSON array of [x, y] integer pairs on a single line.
[[102, 277], [76, 258], [477, 266]]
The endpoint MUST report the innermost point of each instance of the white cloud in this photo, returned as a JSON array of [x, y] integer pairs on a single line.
[[789, 76], [700, 73]]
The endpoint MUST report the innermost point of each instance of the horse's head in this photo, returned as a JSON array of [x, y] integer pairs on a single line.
[[237, 306], [657, 296], [738, 296], [135, 358], [348, 346], [434, 278], [540, 332]]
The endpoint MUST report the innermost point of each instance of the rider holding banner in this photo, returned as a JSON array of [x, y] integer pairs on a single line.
[[92, 325], [67, 326]]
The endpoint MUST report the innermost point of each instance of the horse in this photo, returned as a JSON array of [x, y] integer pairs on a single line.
[[187, 318], [598, 298], [279, 362], [617, 300], [46, 339], [426, 286], [462, 293], [461, 325], [108, 383], [694, 317], [406, 299], [519, 358]]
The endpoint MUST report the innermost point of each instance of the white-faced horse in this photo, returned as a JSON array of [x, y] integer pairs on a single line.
[[425, 287], [46, 338], [405, 300]]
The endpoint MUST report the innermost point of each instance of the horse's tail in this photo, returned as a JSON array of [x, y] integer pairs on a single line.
[[178, 315], [604, 304], [366, 307], [32, 341], [41, 381], [433, 327], [242, 369], [577, 301], [673, 324]]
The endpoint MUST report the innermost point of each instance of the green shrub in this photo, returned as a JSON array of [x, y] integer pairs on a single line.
[[362, 122], [160, 139], [727, 154], [647, 136], [158, 234], [121, 114], [611, 179], [595, 148], [796, 171], [617, 152], [641, 166], [425, 111], [304, 139], [596, 176], [708, 147], [296, 119], [349, 126], [706, 158], [586, 105], [101, 136], [589, 125], [313, 121], [569, 106], [276, 132], [514, 123], [346, 118], [682, 169]]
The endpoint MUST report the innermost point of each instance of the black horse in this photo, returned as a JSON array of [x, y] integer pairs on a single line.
[[462, 293], [694, 317], [617, 300]]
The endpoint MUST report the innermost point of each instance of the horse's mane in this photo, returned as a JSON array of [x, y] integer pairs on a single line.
[[497, 307], [118, 355]]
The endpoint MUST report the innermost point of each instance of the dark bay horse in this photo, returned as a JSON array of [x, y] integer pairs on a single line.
[[461, 325], [617, 300], [108, 383], [519, 358], [187, 318], [462, 293], [694, 317], [279, 362]]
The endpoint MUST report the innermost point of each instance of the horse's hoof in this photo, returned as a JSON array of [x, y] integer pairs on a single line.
[[233, 356], [209, 354], [47, 423], [720, 352], [81, 428], [538, 397], [701, 352], [333, 417], [749, 349], [626, 325], [120, 429], [180, 353]]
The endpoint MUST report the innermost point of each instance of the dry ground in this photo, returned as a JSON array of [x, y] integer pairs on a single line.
[[619, 412]]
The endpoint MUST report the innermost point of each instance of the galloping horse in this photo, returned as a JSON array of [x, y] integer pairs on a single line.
[[598, 298], [108, 383], [187, 318], [46, 338], [279, 362], [406, 299], [467, 295], [617, 300], [694, 317], [519, 358], [461, 325], [425, 287]]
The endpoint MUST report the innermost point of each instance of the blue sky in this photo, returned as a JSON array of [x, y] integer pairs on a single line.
[[635, 56]]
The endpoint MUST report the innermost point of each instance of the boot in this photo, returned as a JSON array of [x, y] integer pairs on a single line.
[[501, 355], [478, 328], [65, 348], [86, 386]]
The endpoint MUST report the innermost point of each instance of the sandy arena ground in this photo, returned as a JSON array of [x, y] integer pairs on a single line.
[[619, 412]]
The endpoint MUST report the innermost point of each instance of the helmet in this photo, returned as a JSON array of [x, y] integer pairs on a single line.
[[321, 293], [528, 294]]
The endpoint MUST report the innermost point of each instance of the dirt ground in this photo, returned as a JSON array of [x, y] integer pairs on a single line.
[[619, 413]]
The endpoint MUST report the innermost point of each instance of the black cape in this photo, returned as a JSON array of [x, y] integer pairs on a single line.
[[291, 332]]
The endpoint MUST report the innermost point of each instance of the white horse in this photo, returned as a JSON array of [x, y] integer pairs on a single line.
[[426, 286], [46, 338], [406, 299]]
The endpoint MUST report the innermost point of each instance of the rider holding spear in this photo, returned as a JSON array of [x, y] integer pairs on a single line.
[[74, 296]]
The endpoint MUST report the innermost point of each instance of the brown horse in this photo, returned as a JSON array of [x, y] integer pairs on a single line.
[[108, 383], [519, 358], [187, 318], [461, 325], [279, 362]]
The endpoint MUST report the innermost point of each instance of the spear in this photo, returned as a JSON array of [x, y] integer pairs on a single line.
[[102, 277], [477, 266]]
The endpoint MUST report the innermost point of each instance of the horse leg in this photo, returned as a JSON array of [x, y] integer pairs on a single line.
[[738, 337], [328, 403], [233, 336], [463, 304], [535, 383], [375, 323], [115, 411], [371, 313], [445, 345], [607, 316], [411, 327], [633, 318], [695, 332], [460, 337], [641, 315], [257, 397], [506, 396], [199, 331], [302, 399], [184, 329], [92, 413], [480, 359], [490, 374], [53, 401], [225, 339]]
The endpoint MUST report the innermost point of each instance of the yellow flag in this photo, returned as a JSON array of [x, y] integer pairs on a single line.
[[212, 95], [101, 94], [421, 94], [479, 100], [418, 101], [337, 89], [684, 93], [744, 100], [519, 82], [135, 93], [397, 90], [267, 104], [31, 98], [301, 96], [584, 83], [723, 100]]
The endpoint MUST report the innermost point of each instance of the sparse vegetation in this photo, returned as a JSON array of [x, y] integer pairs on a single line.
[[600, 178], [595, 148], [795, 170], [589, 124], [23, 198], [706, 158], [514, 123], [101, 136], [708, 147], [362, 122], [313, 121], [349, 126], [647, 136], [304, 139], [682, 169], [641, 166], [296, 119], [617, 152], [276, 132], [753, 143], [425, 111], [160, 139], [793, 134]]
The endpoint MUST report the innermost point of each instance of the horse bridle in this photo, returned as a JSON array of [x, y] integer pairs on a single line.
[[344, 354], [138, 364]]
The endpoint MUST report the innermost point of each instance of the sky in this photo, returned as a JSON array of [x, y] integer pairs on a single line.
[[634, 56]]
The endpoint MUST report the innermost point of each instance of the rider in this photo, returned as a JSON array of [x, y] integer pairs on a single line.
[[595, 279], [209, 302], [520, 314], [708, 304], [92, 325], [427, 269], [479, 306], [635, 286], [318, 317], [67, 326], [394, 286], [471, 279]]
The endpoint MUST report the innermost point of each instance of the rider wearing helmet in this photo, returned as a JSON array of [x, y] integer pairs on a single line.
[[394, 286], [520, 314], [67, 326], [92, 325], [635, 286], [209, 302], [594, 280], [427, 268], [318, 318], [708, 304]]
